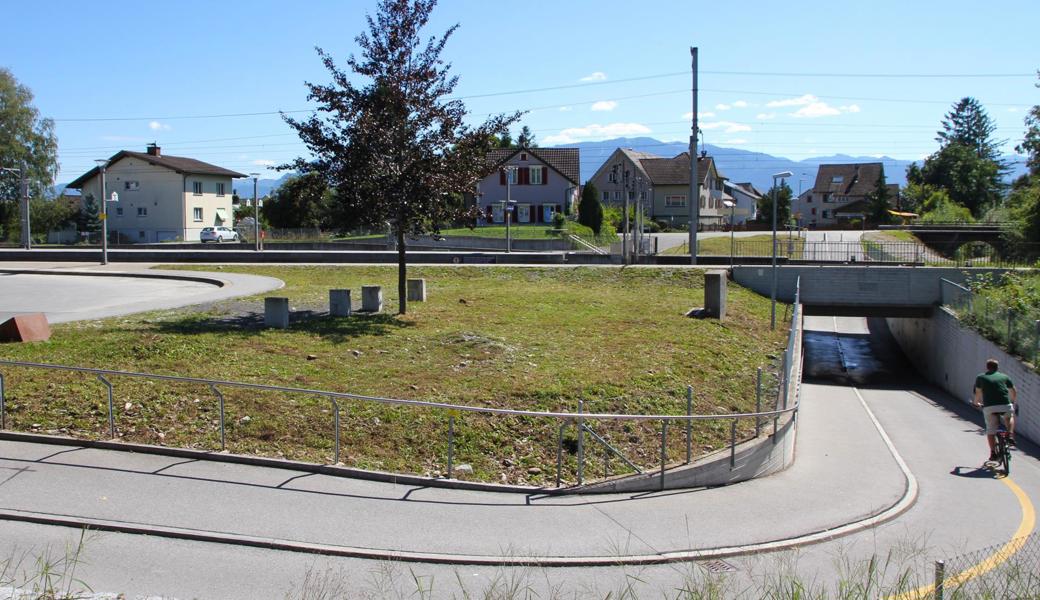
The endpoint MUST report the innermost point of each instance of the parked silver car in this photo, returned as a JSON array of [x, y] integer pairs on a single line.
[[218, 234]]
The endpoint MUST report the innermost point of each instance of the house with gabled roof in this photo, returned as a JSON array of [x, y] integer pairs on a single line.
[[160, 197], [539, 181], [840, 193], [663, 185]]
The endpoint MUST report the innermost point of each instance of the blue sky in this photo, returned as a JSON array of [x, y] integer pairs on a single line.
[[794, 80]]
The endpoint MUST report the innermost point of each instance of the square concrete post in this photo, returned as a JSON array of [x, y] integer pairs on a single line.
[[417, 290], [276, 312], [339, 303], [372, 298], [715, 294]]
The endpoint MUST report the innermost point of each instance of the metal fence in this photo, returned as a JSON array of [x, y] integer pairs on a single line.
[[588, 427], [1010, 570], [1018, 332]]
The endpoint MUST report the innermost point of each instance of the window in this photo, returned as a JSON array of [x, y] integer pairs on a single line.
[[523, 156], [813, 211], [131, 186], [612, 177], [511, 176], [220, 189], [197, 213], [826, 197], [140, 235], [196, 187], [119, 211], [606, 196], [617, 196], [826, 214], [675, 201], [631, 195], [536, 175], [142, 211], [838, 179]]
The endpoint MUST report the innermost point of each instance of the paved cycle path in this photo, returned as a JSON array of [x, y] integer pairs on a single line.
[[239, 503]]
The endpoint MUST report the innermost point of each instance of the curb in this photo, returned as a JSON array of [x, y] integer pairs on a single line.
[[135, 274]]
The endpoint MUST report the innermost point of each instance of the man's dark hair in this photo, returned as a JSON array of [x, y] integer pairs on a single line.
[[992, 364]]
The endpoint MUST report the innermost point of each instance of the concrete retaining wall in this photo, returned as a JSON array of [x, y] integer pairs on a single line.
[[951, 355]]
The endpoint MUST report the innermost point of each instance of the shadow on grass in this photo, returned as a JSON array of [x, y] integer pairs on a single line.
[[335, 329]]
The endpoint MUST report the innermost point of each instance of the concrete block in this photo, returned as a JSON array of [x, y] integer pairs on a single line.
[[339, 303], [417, 290], [715, 294], [276, 312], [372, 298], [32, 327]]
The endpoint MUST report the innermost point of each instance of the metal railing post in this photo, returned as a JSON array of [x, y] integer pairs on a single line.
[[581, 443], [451, 446], [220, 397], [111, 415], [335, 424], [732, 444], [689, 424], [783, 370], [940, 577], [758, 402], [3, 412], [559, 453], [664, 457]]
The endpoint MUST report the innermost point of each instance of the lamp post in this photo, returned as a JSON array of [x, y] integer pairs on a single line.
[[510, 171], [102, 164], [772, 294], [256, 215], [731, 205]]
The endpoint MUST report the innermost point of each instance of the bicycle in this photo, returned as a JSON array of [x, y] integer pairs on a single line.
[[1002, 448]]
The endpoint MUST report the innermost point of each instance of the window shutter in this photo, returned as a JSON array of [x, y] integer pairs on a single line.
[[525, 176], [502, 177], [545, 175]]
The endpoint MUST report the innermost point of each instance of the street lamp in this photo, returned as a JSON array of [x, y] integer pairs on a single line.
[[510, 171], [102, 164], [256, 215], [731, 205], [772, 296]]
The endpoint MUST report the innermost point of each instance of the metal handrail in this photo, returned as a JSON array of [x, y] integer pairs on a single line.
[[398, 401]]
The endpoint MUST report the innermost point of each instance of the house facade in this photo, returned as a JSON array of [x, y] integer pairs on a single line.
[[663, 186], [746, 197], [839, 194], [538, 181], [160, 198]]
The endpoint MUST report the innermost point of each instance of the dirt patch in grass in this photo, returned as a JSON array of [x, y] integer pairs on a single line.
[[525, 338]]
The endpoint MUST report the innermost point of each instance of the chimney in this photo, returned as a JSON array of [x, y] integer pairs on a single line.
[[154, 150]]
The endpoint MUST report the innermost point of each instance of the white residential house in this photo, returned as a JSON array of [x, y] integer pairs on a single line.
[[161, 198], [840, 194], [746, 196]]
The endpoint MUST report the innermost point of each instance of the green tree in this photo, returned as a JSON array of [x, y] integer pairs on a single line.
[[396, 147], [878, 200], [783, 206], [590, 211], [51, 215], [967, 124], [1030, 145], [301, 201], [26, 140], [526, 138], [89, 219], [945, 210]]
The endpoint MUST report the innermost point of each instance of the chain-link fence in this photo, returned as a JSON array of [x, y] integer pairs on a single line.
[[1017, 331], [1002, 571]]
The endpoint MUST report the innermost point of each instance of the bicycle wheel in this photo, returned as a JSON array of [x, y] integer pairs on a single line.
[[1005, 456]]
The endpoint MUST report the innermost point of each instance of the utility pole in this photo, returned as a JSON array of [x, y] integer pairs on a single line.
[[695, 184], [102, 163], [624, 219], [256, 215], [23, 199]]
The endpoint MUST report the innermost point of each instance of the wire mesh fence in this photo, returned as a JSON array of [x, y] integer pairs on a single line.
[[1017, 331], [1010, 570]]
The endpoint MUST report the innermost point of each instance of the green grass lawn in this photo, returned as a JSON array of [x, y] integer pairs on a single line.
[[532, 232], [538, 338], [755, 245]]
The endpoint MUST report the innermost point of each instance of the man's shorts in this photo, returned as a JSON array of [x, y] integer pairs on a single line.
[[992, 414]]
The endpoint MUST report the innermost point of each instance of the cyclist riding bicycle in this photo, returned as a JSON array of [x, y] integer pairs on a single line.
[[996, 394]]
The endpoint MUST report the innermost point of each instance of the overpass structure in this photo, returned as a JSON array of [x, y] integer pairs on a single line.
[[946, 238]]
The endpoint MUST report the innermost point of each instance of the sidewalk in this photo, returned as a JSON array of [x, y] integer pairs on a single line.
[[829, 486]]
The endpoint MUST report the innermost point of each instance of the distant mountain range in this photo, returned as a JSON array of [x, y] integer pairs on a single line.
[[758, 168], [736, 164]]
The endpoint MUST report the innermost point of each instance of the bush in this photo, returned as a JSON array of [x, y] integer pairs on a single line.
[[559, 221], [590, 211]]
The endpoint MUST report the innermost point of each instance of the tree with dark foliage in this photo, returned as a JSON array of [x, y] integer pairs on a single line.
[[395, 148], [590, 211]]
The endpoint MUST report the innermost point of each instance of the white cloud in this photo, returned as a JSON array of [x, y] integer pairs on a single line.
[[604, 105], [765, 116], [800, 101], [566, 108], [822, 109], [723, 106], [157, 126], [726, 126], [595, 132], [852, 108], [264, 163], [736, 141], [701, 115], [740, 104], [597, 76], [1013, 109]]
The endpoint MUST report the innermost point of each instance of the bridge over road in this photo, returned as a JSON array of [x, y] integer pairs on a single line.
[[858, 290], [946, 238]]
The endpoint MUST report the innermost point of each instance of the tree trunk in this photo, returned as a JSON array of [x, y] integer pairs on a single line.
[[402, 274]]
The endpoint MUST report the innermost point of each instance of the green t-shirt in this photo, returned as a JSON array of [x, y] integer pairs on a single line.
[[994, 386]]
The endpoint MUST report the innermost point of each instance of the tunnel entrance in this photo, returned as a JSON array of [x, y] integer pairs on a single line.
[[853, 351]]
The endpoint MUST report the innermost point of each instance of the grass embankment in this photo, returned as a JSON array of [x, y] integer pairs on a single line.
[[533, 232], [755, 245], [539, 339]]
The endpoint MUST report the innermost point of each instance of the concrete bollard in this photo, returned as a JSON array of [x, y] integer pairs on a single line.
[[372, 298], [276, 312], [715, 294], [339, 303], [417, 290]]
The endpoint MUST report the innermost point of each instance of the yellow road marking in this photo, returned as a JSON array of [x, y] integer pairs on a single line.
[[1018, 539]]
